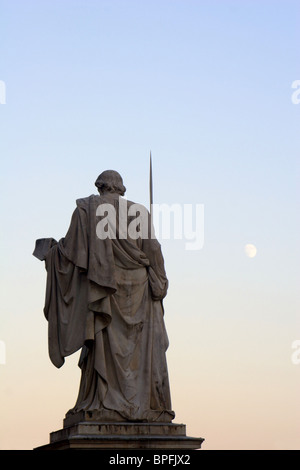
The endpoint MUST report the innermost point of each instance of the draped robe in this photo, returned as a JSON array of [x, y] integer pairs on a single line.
[[105, 297]]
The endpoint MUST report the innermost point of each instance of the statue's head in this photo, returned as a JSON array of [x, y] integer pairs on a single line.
[[110, 181]]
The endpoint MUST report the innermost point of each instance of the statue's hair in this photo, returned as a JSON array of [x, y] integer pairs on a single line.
[[111, 181]]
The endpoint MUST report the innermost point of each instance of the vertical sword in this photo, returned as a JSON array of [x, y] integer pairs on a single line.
[[151, 186]]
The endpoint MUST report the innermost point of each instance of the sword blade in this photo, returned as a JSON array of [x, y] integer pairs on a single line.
[[151, 185]]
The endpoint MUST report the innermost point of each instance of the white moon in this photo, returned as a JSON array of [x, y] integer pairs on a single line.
[[250, 250]]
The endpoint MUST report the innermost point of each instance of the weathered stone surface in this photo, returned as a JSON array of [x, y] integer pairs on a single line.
[[94, 435], [104, 295], [110, 416]]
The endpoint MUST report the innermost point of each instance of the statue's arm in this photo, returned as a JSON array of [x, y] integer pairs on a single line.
[[42, 247]]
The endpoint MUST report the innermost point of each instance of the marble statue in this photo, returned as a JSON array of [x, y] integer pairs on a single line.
[[104, 296]]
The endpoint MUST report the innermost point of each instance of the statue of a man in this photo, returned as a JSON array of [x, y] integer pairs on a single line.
[[104, 296]]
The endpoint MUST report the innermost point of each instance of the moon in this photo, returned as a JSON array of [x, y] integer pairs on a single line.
[[250, 250]]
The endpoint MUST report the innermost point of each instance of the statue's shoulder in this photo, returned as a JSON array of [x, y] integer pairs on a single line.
[[85, 202], [137, 204]]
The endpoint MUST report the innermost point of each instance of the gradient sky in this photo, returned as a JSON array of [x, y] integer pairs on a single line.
[[207, 86]]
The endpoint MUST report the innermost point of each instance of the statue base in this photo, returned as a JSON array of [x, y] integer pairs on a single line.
[[84, 432]]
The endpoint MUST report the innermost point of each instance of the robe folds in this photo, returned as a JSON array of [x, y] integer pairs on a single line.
[[105, 297]]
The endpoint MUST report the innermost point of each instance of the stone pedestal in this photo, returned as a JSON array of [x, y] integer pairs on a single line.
[[85, 432]]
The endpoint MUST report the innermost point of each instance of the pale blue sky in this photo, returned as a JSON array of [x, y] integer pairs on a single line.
[[206, 85]]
